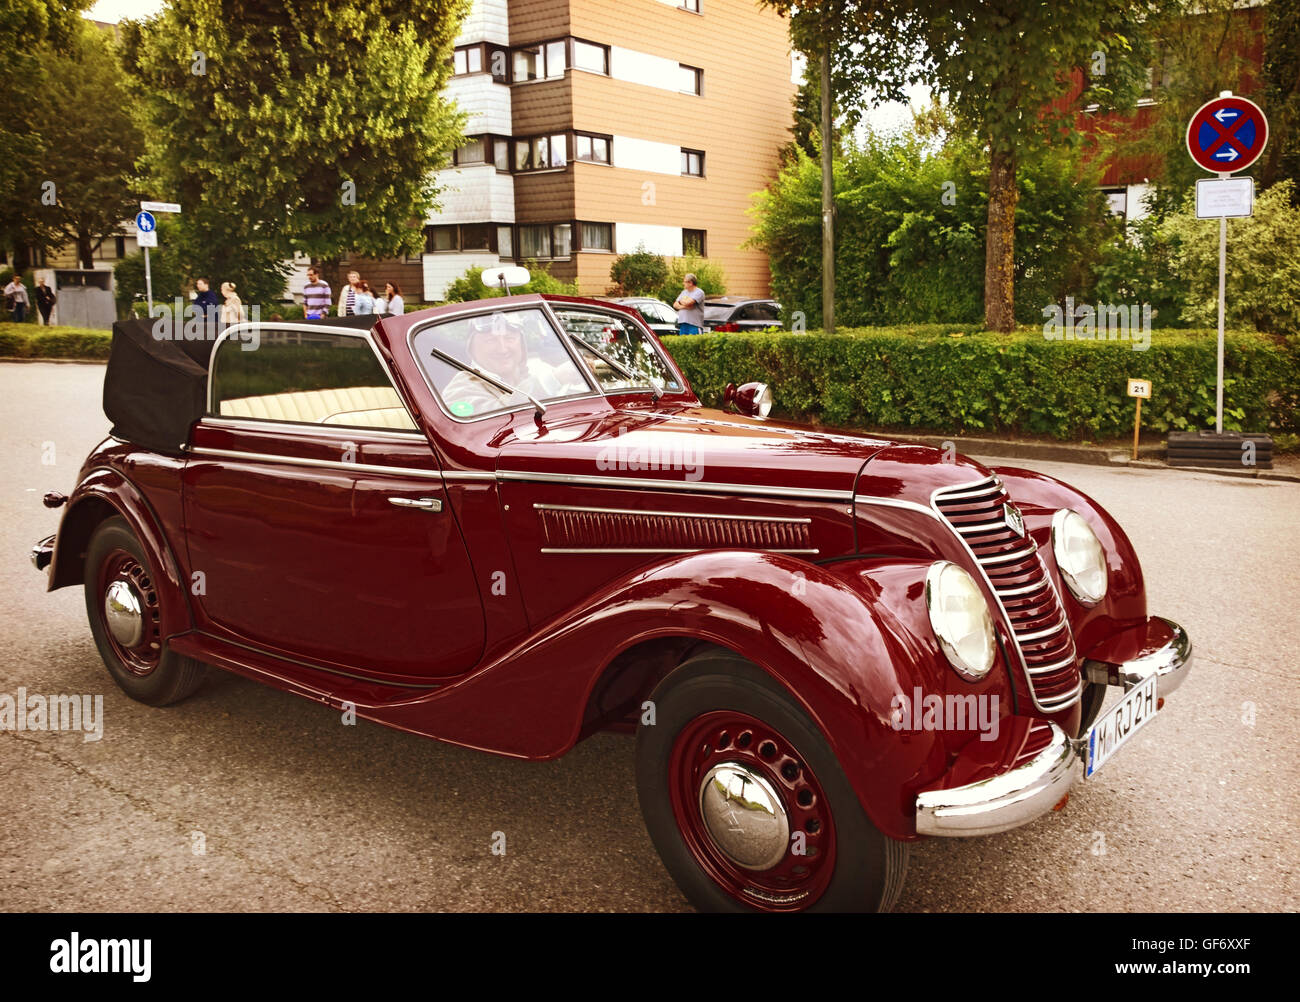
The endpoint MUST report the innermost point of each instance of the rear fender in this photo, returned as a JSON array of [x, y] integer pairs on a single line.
[[103, 494]]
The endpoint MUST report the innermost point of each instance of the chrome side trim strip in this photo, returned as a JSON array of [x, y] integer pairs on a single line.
[[323, 464], [702, 487], [689, 549], [672, 514], [302, 429]]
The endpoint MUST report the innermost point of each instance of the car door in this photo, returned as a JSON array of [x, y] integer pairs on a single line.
[[317, 521]]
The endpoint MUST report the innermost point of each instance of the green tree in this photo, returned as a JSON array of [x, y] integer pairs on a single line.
[[1008, 69], [862, 53], [90, 140], [911, 220], [1262, 283], [308, 125], [640, 273], [709, 276], [1282, 92], [29, 29]]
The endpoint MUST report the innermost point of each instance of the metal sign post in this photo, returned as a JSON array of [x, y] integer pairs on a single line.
[[1224, 136], [146, 236]]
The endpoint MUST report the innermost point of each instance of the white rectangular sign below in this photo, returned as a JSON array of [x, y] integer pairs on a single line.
[[146, 238], [160, 206], [1230, 197]]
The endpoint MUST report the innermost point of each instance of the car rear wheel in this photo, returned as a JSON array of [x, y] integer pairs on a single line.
[[123, 606], [746, 803]]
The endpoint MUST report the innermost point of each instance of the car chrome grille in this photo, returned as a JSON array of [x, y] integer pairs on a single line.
[[1014, 570], [606, 530]]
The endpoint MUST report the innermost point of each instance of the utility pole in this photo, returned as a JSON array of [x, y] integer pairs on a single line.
[[828, 191]]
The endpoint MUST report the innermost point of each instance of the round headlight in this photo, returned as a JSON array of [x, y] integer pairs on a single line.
[[1079, 555], [763, 401], [960, 618]]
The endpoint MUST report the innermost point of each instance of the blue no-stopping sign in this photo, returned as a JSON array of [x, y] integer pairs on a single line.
[[1227, 134]]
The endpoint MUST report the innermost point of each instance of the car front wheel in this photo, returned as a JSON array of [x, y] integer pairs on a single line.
[[746, 803], [123, 605]]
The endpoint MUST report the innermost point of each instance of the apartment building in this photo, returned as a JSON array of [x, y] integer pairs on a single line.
[[600, 126]]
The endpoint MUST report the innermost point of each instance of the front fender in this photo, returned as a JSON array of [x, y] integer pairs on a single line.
[[827, 635], [101, 494]]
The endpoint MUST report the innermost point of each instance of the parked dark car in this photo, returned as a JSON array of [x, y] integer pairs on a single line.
[[741, 313], [658, 315], [511, 524]]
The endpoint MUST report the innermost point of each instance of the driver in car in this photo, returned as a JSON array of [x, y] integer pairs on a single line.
[[498, 346]]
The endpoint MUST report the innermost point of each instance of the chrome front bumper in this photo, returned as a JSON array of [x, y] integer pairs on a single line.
[[1033, 788], [43, 553]]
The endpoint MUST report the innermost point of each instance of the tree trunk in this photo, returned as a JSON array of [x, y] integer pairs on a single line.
[[1000, 244], [85, 253], [828, 195]]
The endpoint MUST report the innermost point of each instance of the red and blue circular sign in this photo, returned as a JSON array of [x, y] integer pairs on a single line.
[[1227, 134]]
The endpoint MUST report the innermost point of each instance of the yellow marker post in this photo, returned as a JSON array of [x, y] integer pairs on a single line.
[[1140, 388]]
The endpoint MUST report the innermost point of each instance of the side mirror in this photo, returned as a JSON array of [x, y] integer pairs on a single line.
[[751, 399], [504, 278]]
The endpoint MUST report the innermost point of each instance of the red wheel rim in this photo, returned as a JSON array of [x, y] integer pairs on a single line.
[[724, 739], [140, 656]]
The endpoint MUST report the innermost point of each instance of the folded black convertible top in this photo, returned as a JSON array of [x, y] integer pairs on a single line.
[[156, 388]]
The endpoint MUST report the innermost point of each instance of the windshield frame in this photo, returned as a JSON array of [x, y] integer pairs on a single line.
[[490, 306], [634, 316]]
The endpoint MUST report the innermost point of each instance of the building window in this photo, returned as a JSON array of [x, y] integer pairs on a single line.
[[545, 60], [1116, 201], [505, 242], [551, 240], [439, 239], [498, 63], [473, 152], [591, 148], [693, 162], [591, 57], [598, 236], [691, 5], [467, 60], [501, 153], [693, 243], [542, 152], [690, 79], [476, 237]]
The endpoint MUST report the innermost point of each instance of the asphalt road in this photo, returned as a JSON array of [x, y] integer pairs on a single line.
[[292, 811]]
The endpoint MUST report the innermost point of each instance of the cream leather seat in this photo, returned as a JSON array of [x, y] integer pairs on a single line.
[[362, 406]]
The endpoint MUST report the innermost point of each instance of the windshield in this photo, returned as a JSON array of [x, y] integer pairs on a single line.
[[622, 341], [518, 348]]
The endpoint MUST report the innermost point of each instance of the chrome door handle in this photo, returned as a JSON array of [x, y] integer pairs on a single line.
[[424, 504]]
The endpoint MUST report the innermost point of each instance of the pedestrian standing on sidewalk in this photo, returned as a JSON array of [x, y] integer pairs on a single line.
[[690, 307], [232, 311], [16, 293], [348, 297], [316, 296], [45, 300], [365, 299]]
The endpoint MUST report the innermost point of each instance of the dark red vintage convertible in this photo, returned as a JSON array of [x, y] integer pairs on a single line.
[[511, 524]]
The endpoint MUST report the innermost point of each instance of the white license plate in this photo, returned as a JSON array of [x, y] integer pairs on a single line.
[[1121, 722]]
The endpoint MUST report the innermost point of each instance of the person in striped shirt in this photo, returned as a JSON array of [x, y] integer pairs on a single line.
[[316, 296]]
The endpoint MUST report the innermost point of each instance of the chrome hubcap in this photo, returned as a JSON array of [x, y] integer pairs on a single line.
[[744, 816], [123, 613]]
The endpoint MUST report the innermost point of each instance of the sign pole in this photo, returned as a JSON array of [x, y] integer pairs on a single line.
[[1223, 257], [1137, 421], [148, 291]]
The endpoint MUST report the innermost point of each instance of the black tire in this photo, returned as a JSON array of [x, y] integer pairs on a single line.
[[156, 676], [868, 867]]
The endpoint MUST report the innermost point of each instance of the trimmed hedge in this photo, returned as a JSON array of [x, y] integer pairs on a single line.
[[28, 341], [945, 379]]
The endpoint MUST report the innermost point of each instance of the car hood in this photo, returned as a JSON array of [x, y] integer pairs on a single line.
[[694, 448]]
